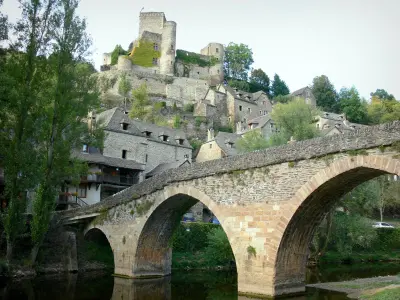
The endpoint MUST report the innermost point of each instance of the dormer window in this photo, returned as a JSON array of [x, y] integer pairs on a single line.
[[248, 97], [124, 126], [180, 141], [164, 137], [229, 144], [147, 133]]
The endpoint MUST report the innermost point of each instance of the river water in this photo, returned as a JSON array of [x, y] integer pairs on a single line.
[[181, 285]]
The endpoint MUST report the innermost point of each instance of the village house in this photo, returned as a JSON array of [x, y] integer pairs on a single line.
[[133, 150], [219, 146], [264, 124], [330, 123], [306, 94]]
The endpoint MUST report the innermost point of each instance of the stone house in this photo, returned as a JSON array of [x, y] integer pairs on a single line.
[[243, 106], [331, 123], [133, 150], [307, 94], [264, 124], [219, 146]]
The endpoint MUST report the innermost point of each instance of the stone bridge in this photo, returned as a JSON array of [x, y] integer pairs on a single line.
[[271, 200]]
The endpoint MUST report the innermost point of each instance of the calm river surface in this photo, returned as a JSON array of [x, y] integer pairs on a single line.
[[181, 285]]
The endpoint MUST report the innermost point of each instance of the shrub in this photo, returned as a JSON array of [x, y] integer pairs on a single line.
[[219, 248], [189, 107], [193, 240], [159, 105]]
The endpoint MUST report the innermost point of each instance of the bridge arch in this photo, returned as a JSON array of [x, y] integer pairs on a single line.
[[153, 252], [103, 248], [311, 203]]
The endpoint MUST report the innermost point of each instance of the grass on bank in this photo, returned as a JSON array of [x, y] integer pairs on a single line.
[[389, 294]]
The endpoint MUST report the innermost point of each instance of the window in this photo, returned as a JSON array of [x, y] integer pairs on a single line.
[[260, 112], [155, 46], [82, 191], [318, 125], [240, 108], [265, 112], [210, 146], [217, 50], [272, 125], [249, 110], [155, 62], [146, 157], [85, 148], [180, 141], [124, 126], [164, 138], [172, 47], [124, 154]]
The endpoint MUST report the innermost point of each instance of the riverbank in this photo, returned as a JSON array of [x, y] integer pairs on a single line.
[[375, 288]]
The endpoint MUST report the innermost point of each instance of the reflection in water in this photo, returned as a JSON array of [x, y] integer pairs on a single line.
[[151, 289], [181, 285]]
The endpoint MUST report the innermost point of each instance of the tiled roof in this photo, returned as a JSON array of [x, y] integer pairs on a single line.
[[299, 91]]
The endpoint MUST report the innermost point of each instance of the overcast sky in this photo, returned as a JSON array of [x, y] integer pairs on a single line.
[[353, 42]]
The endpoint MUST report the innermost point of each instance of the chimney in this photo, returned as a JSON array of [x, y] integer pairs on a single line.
[[210, 134]]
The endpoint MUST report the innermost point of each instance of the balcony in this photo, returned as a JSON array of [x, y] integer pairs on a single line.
[[118, 179], [92, 178]]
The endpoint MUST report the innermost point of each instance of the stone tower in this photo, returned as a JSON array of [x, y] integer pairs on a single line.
[[168, 45], [155, 22]]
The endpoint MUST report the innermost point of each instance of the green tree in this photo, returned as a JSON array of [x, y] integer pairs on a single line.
[[71, 96], [239, 84], [294, 119], [237, 61], [140, 103], [24, 81], [218, 247], [3, 25], [382, 94], [124, 87], [259, 81], [177, 122], [325, 94], [251, 141], [382, 111], [279, 87], [118, 50], [353, 106]]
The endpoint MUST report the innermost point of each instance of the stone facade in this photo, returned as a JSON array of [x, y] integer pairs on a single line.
[[263, 199]]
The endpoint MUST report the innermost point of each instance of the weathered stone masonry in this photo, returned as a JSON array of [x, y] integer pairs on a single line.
[[271, 200]]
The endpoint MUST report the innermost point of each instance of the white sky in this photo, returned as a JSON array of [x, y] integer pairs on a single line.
[[353, 42]]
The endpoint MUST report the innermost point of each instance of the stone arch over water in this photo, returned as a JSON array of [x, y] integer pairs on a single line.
[[153, 252], [309, 206]]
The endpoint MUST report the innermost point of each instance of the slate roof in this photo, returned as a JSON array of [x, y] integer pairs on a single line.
[[98, 158], [166, 166], [261, 121], [299, 91], [222, 138], [112, 119]]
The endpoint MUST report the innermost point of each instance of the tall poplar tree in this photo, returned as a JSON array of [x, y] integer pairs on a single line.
[[72, 94]]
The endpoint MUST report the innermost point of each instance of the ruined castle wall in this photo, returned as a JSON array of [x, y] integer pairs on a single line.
[[168, 46], [192, 71]]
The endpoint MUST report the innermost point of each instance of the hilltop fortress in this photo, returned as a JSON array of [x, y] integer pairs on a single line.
[[179, 77]]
